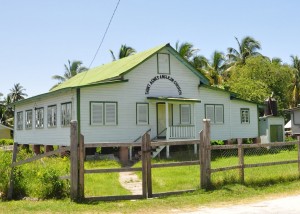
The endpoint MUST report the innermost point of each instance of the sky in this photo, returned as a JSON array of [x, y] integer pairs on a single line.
[[38, 37]]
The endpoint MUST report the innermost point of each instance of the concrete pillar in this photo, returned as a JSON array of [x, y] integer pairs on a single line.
[[37, 149], [48, 148], [123, 154]]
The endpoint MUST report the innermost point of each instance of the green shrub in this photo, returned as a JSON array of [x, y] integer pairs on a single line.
[[5, 161], [6, 142], [217, 142]]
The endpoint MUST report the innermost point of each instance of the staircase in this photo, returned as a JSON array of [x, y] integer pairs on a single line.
[[157, 151]]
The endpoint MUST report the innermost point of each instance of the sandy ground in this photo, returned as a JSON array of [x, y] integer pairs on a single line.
[[286, 205], [130, 181]]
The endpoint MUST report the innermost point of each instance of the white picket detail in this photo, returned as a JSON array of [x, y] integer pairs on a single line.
[[182, 132]]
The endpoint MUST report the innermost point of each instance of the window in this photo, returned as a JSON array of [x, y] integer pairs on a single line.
[[245, 116], [66, 114], [39, 117], [52, 116], [103, 113], [96, 113], [20, 120], [142, 113], [163, 63], [215, 113], [185, 114], [28, 119]]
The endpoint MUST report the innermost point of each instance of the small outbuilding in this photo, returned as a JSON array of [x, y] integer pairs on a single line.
[[5, 132]]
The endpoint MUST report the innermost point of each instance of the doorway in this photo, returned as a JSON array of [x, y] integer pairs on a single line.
[[161, 119]]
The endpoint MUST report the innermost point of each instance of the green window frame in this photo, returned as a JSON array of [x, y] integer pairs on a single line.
[[28, 119], [39, 118], [20, 120], [245, 116], [52, 116], [163, 63], [185, 114], [66, 114], [215, 112], [142, 113], [103, 113]]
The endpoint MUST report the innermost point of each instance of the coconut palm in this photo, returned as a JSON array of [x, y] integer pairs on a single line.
[[186, 50], [124, 51], [296, 83], [246, 48], [216, 67], [17, 93], [72, 69]]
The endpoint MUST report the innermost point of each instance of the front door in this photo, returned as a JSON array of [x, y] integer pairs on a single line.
[[276, 133], [161, 119]]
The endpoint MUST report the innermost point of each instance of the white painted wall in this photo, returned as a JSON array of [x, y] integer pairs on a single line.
[[295, 117], [46, 136], [265, 123]]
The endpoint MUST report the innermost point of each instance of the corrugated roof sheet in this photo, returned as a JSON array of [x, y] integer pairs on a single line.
[[108, 71]]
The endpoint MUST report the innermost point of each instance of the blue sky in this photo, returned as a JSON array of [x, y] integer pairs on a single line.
[[38, 37]]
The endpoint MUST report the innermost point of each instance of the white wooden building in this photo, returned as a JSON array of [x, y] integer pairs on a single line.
[[295, 120], [117, 102]]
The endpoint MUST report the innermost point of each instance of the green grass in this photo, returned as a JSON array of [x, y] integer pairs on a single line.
[[104, 184], [228, 194]]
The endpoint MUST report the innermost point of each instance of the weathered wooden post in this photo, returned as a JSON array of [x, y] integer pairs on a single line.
[[202, 159], [241, 159], [74, 160], [298, 138], [81, 167], [11, 178], [149, 175], [206, 155], [144, 165]]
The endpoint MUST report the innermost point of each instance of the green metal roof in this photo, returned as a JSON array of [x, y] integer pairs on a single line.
[[116, 69]]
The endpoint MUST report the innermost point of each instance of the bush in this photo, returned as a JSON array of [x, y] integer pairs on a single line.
[[5, 161], [6, 142]]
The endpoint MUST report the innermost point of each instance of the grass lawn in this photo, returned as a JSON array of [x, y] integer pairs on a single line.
[[228, 194]]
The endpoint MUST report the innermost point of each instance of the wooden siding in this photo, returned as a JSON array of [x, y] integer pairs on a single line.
[[239, 130], [129, 93], [46, 136]]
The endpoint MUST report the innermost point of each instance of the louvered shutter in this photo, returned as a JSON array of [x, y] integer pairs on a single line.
[[185, 114], [142, 114], [210, 113], [110, 113], [219, 114], [96, 113]]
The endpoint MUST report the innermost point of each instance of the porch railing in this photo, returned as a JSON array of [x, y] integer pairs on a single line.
[[182, 131]]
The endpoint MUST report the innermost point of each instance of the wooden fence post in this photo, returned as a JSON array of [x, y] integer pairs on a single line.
[[81, 167], [144, 165], [149, 175], [74, 161], [207, 152], [11, 178], [298, 138], [202, 158], [241, 159]]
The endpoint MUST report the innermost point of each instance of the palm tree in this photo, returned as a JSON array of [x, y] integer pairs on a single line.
[[124, 51], [216, 68], [17, 93], [296, 83], [246, 48], [186, 50], [6, 112], [71, 70]]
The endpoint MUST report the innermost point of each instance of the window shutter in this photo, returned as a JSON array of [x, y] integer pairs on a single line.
[[142, 113], [219, 113], [210, 113], [97, 113], [163, 63], [110, 113], [185, 114]]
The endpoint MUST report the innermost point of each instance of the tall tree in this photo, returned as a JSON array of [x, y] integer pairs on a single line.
[[17, 93], [124, 51], [186, 50], [296, 81], [216, 68], [246, 48], [71, 69]]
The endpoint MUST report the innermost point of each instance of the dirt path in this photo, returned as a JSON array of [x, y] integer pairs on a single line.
[[283, 205], [130, 181]]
